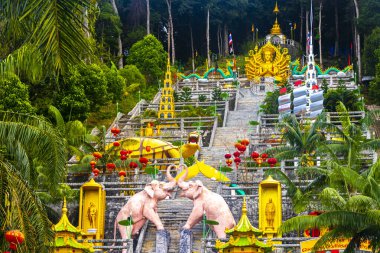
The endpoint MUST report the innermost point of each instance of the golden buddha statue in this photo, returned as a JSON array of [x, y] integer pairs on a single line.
[[268, 61]]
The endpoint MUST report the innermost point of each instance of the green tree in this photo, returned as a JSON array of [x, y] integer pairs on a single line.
[[350, 98], [374, 89], [132, 75], [370, 60], [185, 94], [115, 82], [14, 95], [33, 156], [149, 57], [270, 104]]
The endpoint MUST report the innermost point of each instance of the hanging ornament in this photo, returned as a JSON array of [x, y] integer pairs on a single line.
[[116, 144], [245, 142], [97, 155], [255, 155], [14, 238], [272, 161], [111, 166], [115, 131], [264, 156], [144, 161], [93, 164], [236, 154]]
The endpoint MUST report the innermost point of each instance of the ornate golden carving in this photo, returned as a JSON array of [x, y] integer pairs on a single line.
[[270, 212], [268, 61]]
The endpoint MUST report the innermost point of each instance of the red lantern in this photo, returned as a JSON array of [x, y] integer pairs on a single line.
[[92, 163], [272, 161], [97, 155], [237, 144], [237, 161], [96, 172], [133, 165], [123, 152], [111, 166], [123, 157], [115, 131], [14, 237], [143, 161], [229, 162], [241, 148], [255, 155], [236, 154], [147, 148], [227, 156], [122, 173], [264, 156], [116, 144], [245, 142]]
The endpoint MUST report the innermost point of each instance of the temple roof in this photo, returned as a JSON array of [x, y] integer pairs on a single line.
[[64, 224]]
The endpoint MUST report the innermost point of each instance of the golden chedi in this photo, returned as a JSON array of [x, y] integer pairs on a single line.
[[268, 61]]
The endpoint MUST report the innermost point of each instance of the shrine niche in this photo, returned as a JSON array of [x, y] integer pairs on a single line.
[[268, 61]]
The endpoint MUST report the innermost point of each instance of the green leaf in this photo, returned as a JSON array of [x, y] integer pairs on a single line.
[[127, 222], [151, 170], [211, 222], [225, 169]]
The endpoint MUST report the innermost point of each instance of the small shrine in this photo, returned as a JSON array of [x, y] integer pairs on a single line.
[[268, 61], [65, 236], [243, 237], [276, 35], [270, 207]]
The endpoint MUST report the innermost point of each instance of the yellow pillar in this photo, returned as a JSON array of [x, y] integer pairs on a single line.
[[270, 207], [92, 202]]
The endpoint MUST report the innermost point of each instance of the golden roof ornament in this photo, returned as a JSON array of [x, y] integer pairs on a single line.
[[276, 9]]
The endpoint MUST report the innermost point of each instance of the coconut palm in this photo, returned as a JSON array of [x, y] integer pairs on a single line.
[[32, 156]]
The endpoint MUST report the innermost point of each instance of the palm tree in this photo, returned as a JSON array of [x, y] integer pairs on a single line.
[[55, 27], [350, 214], [32, 156]]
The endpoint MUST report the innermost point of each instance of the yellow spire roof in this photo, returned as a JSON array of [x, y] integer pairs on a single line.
[[276, 9], [64, 224]]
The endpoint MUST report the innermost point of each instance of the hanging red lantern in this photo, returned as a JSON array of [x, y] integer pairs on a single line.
[[133, 165], [255, 155], [227, 156], [123, 157], [264, 156], [122, 173], [115, 131], [272, 161], [111, 166], [14, 238], [237, 144], [96, 172], [116, 144], [237, 161], [241, 148], [236, 154], [229, 162], [92, 163], [144, 161], [97, 155], [123, 152], [148, 148], [245, 142]]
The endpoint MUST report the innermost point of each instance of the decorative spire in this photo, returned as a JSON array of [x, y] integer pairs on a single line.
[[168, 66], [64, 207], [276, 9], [244, 209]]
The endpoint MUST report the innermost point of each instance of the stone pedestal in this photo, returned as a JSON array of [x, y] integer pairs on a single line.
[[162, 241], [186, 241]]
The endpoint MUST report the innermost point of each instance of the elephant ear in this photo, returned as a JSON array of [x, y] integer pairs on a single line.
[[149, 190], [199, 190]]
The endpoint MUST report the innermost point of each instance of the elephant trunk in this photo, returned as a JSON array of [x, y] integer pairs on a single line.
[[172, 182], [181, 181]]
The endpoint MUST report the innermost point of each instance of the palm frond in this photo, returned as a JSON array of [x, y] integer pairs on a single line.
[[331, 199]]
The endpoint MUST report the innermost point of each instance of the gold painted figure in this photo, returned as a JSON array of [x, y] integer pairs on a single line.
[[91, 214], [268, 61], [270, 212]]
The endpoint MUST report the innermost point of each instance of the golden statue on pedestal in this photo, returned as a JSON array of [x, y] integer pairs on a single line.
[[270, 211], [268, 61]]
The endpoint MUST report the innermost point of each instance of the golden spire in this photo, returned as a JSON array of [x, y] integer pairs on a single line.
[[276, 9], [64, 207], [244, 208]]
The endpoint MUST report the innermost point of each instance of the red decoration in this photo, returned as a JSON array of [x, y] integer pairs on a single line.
[[14, 237], [282, 90], [241, 148], [147, 148], [227, 156], [123, 152], [264, 156], [97, 155], [116, 144], [255, 155], [236, 154], [229, 162], [122, 173], [92, 163], [123, 157], [237, 161], [143, 161], [237, 144], [111, 166], [272, 161], [115, 131], [298, 82], [315, 87], [96, 172], [245, 142], [133, 165]]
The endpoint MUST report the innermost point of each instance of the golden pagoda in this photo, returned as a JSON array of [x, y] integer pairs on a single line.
[[243, 237], [65, 236], [276, 29], [166, 108]]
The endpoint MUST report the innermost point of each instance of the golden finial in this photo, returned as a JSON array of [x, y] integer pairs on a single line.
[[276, 9], [64, 208], [244, 208], [168, 65]]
